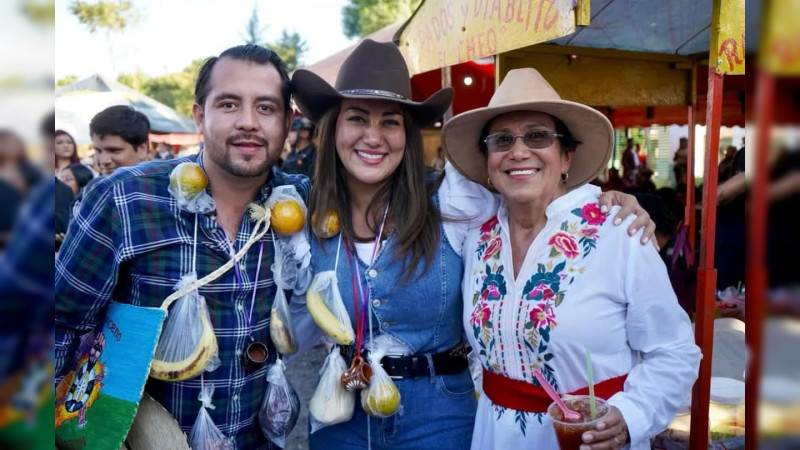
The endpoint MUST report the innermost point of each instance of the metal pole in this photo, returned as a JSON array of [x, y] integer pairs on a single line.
[[706, 273]]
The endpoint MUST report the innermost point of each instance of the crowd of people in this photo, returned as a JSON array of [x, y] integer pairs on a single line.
[[508, 245]]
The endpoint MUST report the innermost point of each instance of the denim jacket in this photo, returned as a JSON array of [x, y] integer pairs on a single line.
[[423, 314]]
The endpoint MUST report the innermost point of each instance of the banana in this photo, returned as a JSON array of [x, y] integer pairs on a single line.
[[327, 321], [281, 335], [195, 363]]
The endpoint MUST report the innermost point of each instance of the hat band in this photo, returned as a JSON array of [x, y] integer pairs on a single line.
[[376, 92]]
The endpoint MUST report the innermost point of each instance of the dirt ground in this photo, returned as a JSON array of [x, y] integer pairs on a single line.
[[303, 374]]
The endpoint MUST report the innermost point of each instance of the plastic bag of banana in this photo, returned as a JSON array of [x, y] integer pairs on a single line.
[[280, 326], [187, 345], [331, 403], [326, 307]]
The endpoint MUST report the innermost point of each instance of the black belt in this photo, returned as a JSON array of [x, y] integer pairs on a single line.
[[449, 362]]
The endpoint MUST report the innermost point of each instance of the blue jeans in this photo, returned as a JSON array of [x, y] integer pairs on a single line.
[[435, 413]]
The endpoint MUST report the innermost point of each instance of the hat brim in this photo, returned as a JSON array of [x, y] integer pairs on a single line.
[[314, 97], [461, 135]]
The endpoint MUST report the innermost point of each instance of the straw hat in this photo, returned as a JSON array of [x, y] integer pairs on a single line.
[[374, 70], [527, 90], [154, 427]]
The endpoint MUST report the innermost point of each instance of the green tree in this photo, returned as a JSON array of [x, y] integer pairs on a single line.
[[254, 30], [69, 79], [107, 16], [291, 48], [175, 90], [363, 17], [42, 12]]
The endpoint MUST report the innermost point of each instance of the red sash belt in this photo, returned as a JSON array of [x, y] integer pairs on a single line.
[[524, 396]]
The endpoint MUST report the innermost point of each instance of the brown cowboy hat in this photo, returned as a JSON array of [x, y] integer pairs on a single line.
[[375, 70], [527, 90]]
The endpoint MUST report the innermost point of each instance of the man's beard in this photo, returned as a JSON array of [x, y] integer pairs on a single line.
[[226, 164]]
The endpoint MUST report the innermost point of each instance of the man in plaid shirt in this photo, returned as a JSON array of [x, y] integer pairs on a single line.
[[131, 243]]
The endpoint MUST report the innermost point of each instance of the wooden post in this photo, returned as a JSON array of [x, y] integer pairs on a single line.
[[447, 81], [706, 273], [756, 276], [690, 213]]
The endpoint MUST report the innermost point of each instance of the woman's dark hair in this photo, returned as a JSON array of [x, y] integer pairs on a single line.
[[251, 53], [567, 140], [413, 214], [73, 158], [82, 175]]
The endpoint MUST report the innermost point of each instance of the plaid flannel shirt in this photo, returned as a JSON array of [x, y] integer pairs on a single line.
[[131, 243]]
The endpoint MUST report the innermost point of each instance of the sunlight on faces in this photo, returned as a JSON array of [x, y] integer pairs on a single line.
[[112, 152], [523, 174], [243, 120], [370, 139]]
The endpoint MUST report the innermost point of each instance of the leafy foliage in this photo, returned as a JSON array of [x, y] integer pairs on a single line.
[[105, 15], [69, 79], [291, 48], [173, 89], [363, 17]]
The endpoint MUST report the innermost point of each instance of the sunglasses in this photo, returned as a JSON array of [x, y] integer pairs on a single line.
[[501, 142]]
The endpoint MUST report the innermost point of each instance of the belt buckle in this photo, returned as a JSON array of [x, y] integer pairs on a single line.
[[398, 356]]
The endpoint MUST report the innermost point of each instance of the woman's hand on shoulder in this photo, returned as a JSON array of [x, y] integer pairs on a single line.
[[629, 205], [610, 433]]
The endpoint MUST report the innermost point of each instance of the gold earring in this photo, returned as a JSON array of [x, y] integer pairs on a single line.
[[489, 182], [564, 177]]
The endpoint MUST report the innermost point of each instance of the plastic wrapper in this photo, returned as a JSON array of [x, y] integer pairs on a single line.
[[381, 398], [302, 258], [186, 337], [325, 305], [187, 184], [288, 210], [281, 406], [476, 372], [205, 435], [284, 269], [331, 403], [280, 326]]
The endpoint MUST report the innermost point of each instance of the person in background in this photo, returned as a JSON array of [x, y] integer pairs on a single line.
[[680, 162], [549, 277], [120, 138], [726, 165], [76, 176], [630, 164], [66, 151], [303, 154], [438, 163]]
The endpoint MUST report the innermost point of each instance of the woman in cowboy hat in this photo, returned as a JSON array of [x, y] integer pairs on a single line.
[[395, 246], [549, 277]]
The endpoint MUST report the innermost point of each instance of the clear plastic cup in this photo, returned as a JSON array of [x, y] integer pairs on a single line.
[[570, 433]]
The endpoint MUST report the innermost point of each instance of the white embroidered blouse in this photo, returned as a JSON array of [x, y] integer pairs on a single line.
[[584, 283]]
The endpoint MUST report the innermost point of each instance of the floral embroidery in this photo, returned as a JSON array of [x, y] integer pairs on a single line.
[[542, 316], [590, 215], [536, 306], [563, 243], [480, 316], [493, 249]]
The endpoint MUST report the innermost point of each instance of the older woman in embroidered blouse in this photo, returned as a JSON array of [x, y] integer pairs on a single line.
[[549, 277]]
